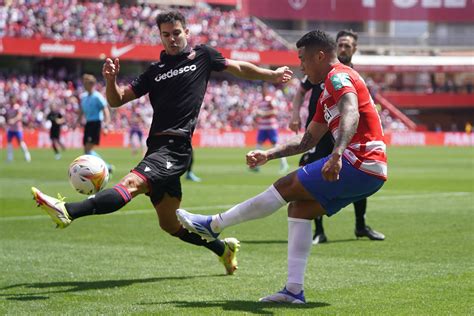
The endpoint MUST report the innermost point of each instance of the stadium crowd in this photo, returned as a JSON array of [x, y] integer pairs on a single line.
[[227, 105], [110, 22]]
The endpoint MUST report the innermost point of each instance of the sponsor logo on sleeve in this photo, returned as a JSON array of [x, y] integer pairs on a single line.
[[340, 80]]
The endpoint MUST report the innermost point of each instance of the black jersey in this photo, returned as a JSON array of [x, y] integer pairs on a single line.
[[176, 86], [316, 90], [53, 116]]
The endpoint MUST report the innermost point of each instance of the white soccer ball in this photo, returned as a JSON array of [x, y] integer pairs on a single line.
[[88, 174]]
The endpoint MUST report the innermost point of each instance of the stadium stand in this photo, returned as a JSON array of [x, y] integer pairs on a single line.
[[50, 72], [110, 22]]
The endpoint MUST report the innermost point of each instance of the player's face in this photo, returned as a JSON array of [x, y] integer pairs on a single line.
[[311, 64], [346, 47], [174, 37], [88, 85]]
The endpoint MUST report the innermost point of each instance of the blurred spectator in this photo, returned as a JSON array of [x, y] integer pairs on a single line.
[[227, 106], [110, 22], [468, 127]]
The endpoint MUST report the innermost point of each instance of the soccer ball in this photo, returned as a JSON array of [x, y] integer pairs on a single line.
[[88, 174]]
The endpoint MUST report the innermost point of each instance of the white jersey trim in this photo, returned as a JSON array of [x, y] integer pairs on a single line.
[[374, 167]]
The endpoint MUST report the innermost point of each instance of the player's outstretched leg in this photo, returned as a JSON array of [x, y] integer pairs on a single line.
[[54, 207], [285, 296], [198, 224], [209, 227]]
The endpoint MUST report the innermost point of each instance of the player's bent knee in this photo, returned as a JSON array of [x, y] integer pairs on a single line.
[[169, 225]]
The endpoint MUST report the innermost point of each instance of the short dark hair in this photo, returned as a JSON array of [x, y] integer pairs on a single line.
[[170, 17], [317, 39], [350, 33]]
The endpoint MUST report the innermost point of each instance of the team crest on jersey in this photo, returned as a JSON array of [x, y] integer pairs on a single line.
[[192, 55], [340, 80]]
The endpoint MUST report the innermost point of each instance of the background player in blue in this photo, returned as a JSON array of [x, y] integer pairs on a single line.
[[136, 131], [176, 86], [94, 109], [346, 41]]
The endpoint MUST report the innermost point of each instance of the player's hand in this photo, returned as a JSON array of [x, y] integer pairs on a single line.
[[295, 123], [111, 69], [331, 168], [256, 158], [283, 75]]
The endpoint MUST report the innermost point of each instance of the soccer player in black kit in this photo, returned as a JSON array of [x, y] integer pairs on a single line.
[[176, 86], [346, 47], [57, 120]]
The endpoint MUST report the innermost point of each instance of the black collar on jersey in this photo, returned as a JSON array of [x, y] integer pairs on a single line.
[[166, 58]]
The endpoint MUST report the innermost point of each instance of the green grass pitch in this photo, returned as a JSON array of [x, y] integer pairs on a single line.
[[124, 264]]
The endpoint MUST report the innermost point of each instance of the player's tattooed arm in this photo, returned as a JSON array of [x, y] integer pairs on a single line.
[[348, 109]]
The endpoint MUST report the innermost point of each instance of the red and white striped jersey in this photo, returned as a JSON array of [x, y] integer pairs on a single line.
[[267, 114], [366, 151]]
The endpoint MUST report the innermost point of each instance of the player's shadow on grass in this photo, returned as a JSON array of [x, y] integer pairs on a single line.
[[79, 286], [243, 306]]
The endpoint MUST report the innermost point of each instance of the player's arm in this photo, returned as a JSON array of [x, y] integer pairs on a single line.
[[267, 113], [298, 99], [16, 118], [116, 96], [106, 118], [60, 120], [297, 145], [80, 113], [348, 122], [348, 109], [249, 71]]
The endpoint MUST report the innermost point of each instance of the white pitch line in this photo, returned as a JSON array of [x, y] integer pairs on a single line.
[[226, 206], [130, 212]]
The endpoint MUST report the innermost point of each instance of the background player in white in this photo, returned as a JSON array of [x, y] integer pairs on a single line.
[[14, 124], [267, 124], [356, 168]]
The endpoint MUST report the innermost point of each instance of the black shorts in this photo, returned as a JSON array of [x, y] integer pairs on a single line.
[[166, 160], [92, 133], [54, 133], [323, 149]]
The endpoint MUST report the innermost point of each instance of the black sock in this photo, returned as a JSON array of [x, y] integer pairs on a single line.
[[55, 148], [217, 246], [360, 208], [106, 201], [319, 225]]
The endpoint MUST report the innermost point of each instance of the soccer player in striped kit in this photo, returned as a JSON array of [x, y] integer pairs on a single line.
[[267, 123], [356, 168]]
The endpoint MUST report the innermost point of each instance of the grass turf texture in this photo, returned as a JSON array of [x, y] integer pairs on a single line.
[[124, 264]]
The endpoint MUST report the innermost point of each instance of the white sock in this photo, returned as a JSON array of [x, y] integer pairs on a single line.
[[299, 247], [283, 163], [25, 151], [262, 205], [10, 152]]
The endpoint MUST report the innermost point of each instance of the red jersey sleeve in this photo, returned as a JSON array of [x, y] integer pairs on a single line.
[[339, 84]]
